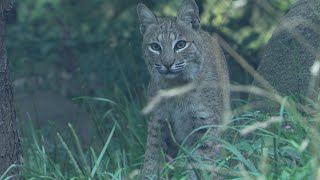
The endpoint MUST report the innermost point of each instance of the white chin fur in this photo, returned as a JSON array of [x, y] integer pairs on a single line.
[[170, 76]]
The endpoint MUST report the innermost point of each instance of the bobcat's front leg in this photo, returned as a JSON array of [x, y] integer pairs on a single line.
[[151, 167], [208, 150]]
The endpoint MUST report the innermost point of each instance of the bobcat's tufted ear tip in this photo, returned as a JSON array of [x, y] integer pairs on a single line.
[[189, 14], [190, 2], [140, 6], [146, 17]]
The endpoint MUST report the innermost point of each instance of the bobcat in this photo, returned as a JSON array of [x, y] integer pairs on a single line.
[[177, 52]]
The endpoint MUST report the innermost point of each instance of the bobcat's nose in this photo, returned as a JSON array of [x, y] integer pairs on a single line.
[[168, 64]]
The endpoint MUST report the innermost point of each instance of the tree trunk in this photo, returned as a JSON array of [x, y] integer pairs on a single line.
[[9, 140]]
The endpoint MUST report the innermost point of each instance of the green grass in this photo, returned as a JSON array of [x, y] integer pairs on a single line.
[[285, 147]]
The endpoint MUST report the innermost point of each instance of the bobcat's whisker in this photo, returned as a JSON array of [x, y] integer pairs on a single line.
[[180, 63], [181, 66]]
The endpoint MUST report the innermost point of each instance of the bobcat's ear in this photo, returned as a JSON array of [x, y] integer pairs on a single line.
[[146, 17], [189, 14]]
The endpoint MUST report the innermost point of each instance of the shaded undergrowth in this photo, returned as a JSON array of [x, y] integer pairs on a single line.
[[253, 146]]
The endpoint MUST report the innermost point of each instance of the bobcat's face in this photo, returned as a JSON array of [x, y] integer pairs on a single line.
[[170, 51], [171, 44]]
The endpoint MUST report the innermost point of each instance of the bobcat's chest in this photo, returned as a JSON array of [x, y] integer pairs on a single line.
[[177, 111], [183, 114]]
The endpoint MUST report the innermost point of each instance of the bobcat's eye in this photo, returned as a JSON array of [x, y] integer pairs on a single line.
[[180, 44], [155, 47]]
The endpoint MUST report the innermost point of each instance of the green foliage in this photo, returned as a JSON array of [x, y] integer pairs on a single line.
[[97, 42], [284, 149], [91, 41], [119, 154], [94, 40]]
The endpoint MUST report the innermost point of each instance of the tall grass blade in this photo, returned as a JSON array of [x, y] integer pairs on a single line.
[[102, 152], [77, 141], [236, 152], [8, 170], [95, 98], [74, 162]]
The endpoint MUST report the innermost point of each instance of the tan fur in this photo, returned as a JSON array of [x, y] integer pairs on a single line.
[[202, 64]]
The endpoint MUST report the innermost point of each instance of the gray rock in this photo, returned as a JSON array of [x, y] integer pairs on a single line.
[[287, 58]]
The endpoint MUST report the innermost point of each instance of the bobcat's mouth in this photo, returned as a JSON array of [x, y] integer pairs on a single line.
[[172, 70], [170, 74]]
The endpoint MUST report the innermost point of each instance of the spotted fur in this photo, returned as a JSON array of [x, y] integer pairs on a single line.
[[195, 60]]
